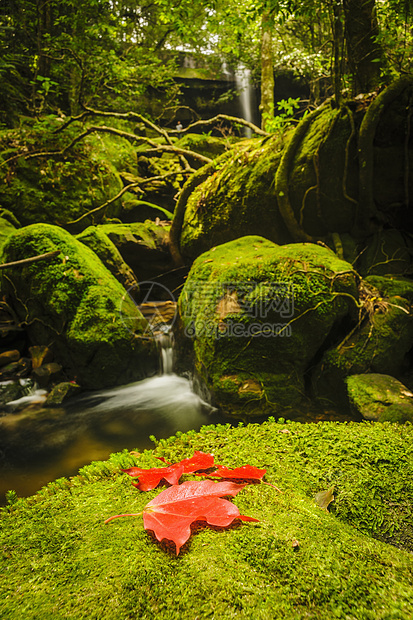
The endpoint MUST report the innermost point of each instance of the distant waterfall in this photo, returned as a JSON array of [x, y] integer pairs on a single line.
[[243, 84]]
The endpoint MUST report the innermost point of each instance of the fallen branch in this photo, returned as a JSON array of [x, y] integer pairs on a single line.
[[133, 116], [33, 259], [129, 187], [117, 132]]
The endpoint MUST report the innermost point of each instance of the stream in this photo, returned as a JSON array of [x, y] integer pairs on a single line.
[[40, 445]]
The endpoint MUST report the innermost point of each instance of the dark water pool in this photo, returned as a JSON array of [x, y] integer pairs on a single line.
[[38, 446]]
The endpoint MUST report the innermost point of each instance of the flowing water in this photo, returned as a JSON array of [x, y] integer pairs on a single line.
[[243, 84], [40, 445]]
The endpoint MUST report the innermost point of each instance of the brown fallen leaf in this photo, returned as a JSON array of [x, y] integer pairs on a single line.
[[324, 498]]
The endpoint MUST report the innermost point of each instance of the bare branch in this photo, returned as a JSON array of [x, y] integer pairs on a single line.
[[33, 259], [222, 117], [127, 188]]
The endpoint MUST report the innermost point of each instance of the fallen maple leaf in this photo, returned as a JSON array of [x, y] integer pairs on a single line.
[[246, 472], [199, 461], [150, 478], [171, 513]]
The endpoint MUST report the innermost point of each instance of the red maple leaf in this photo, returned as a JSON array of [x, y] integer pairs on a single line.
[[246, 472], [150, 478], [171, 513], [199, 461]]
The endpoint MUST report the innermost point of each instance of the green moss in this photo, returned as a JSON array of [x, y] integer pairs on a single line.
[[379, 345], [392, 286], [73, 304], [59, 559], [209, 146], [380, 398], [259, 311], [98, 241], [323, 186], [6, 229], [58, 189], [146, 233], [237, 199]]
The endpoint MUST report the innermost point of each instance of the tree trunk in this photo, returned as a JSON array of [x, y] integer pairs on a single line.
[[363, 52], [267, 71]]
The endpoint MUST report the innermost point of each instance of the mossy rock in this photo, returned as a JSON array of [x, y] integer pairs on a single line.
[[61, 188], [326, 154], [258, 314], [142, 245], [385, 253], [380, 344], [209, 146], [236, 199], [96, 239], [59, 559], [380, 398], [7, 227], [74, 305]]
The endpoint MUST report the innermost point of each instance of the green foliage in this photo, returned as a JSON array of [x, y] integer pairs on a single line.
[[284, 117]]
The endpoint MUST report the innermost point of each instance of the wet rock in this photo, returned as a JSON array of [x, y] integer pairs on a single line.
[[98, 241], [40, 355], [71, 303], [61, 392], [18, 369], [9, 356], [380, 398], [258, 314], [47, 373]]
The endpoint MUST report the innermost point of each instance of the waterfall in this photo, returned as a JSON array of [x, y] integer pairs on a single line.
[[243, 84], [165, 345]]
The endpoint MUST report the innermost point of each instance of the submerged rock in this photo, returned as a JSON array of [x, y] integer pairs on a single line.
[[258, 314], [380, 398], [61, 393], [73, 304]]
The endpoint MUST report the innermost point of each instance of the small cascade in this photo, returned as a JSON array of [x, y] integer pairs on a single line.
[[243, 84], [164, 340]]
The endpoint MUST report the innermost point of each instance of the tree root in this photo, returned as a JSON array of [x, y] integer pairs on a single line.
[[368, 212], [282, 178]]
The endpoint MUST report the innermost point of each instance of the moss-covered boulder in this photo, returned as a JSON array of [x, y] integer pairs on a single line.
[[74, 305], [380, 398], [258, 314], [8, 224], [98, 241], [232, 197], [384, 253], [379, 343], [298, 562], [342, 170], [60, 188], [142, 245]]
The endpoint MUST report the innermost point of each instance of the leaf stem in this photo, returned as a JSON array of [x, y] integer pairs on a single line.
[[135, 514]]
